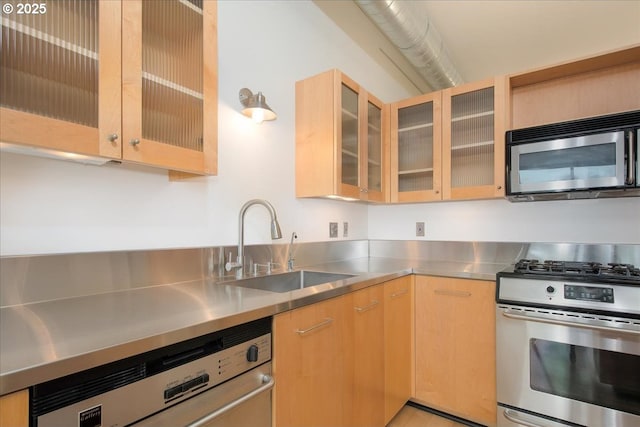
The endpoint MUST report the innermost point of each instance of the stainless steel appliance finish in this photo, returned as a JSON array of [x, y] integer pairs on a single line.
[[588, 158], [223, 378], [568, 345]]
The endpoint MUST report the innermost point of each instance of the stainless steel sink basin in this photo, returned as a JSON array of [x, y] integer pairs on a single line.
[[286, 282]]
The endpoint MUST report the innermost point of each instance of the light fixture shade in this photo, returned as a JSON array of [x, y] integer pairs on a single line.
[[255, 106]]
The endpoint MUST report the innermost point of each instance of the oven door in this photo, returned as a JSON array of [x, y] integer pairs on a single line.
[[561, 367], [579, 163]]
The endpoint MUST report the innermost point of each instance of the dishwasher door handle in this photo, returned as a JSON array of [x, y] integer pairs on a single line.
[[268, 383]]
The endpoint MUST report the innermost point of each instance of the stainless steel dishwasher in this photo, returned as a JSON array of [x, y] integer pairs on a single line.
[[219, 379]]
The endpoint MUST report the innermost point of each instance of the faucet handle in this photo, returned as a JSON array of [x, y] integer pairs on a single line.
[[231, 265], [268, 266], [274, 265]]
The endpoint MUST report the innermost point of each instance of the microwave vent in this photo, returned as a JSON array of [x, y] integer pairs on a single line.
[[575, 127]]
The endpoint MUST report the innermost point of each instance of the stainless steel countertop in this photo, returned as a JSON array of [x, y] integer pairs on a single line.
[[46, 340]]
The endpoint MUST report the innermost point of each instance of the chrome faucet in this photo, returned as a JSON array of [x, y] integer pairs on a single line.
[[290, 257], [275, 234]]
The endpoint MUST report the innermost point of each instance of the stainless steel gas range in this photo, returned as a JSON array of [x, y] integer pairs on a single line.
[[568, 344]]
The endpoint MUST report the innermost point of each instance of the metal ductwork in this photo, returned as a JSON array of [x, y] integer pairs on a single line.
[[407, 25]]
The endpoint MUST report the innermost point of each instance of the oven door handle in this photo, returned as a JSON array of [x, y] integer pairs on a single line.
[[566, 323], [268, 383], [511, 416]]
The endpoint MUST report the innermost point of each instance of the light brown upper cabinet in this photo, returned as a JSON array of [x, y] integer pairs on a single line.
[[132, 80], [449, 145], [592, 86], [473, 145], [341, 139], [416, 149]]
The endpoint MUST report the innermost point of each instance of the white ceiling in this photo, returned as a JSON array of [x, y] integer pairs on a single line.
[[488, 38]]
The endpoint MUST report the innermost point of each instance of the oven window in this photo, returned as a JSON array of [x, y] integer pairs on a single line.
[[601, 377], [568, 164]]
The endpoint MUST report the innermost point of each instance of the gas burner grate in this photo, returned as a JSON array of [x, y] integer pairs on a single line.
[[578, 268]]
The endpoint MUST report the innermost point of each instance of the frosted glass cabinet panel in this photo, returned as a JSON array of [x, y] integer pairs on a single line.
[[60, 76], [473, 140], [350, 137], [416, 149]]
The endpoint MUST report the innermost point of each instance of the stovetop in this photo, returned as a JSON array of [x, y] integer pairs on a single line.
[[578, 269]]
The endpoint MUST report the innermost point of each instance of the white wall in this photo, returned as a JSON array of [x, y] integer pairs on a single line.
[[49, 206], [570, 221]]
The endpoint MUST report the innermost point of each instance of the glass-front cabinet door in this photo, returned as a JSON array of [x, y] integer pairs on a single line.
[[60, 76], [363, 148], [474, 140], [416, 149], [169, 110], [374, 176]]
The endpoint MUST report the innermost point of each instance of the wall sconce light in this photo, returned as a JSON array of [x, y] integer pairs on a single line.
[[255, 106]]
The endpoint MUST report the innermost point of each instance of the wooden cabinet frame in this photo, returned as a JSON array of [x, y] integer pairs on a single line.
[[455, 347], [43, 132], [422, 195], [497, 188], [120, 101], [587, 87], [319, 145]]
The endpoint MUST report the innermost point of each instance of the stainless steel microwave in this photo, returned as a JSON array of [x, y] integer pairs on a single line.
[[586, 158]]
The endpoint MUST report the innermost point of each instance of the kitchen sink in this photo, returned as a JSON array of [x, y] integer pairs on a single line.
[[286, 282]]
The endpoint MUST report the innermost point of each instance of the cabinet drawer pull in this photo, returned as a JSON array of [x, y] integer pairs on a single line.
[[451, 293], [112, 137], [134, 142], [399, 293], [367, 307], [325, 322]]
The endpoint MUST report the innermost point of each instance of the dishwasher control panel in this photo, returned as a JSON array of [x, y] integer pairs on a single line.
[[216, 368]]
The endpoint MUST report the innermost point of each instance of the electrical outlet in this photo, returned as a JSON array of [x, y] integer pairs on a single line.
[[333, 229], [345, 229], [420, 229]]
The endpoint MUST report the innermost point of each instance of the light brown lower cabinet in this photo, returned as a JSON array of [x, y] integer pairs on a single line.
[[367, 349], [310, 364], [455, 347], [14, 409], [331, 359], [398, 344]]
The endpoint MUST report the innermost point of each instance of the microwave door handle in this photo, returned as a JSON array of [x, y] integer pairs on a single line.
[[631, 156]]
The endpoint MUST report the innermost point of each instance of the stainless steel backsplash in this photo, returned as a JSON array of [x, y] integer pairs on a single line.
[[28, 279], [503, 252]]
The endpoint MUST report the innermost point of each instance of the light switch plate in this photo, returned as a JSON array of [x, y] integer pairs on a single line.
[[333, 229], [345, 229], [420, 229]]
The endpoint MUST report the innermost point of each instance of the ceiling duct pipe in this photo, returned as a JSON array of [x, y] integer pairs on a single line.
[[407, 25]]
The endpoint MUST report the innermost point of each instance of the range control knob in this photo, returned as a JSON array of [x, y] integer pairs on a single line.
[[252, 353], [551, 289]]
